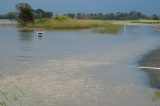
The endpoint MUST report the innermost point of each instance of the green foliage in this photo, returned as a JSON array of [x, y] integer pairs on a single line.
[[22, 5], [70, 15], [111, 29], [133, 15], [48, 14], [3, 104], [156, 95], [39, 13], [68, 24], [60, 17], [12, 15], [25, 13], [9, 15], [25, 16], [8, 97], [155, 17]]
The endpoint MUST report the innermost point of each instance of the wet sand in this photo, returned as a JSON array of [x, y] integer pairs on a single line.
[[152, 59]]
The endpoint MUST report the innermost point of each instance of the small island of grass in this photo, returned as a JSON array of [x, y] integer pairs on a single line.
[[70, 24]]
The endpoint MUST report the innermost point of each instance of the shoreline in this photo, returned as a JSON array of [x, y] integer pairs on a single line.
[[135, 22], [7, 22], [152, 59]]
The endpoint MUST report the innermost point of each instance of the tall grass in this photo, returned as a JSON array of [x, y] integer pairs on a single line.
[[68, 24], [156, 95]]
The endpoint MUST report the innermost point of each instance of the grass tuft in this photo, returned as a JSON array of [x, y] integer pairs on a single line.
[[156, 95], [69, 24]]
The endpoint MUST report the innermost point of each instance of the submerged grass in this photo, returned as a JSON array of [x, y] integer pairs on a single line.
[[113, 30], [156, 95], [69, 24]]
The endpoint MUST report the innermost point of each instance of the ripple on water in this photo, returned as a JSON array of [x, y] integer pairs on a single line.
[[66, 82]]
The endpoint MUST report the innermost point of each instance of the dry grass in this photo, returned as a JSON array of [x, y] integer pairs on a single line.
[[68, 24]]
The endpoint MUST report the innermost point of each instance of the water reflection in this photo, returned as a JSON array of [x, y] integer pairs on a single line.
[[25, 44], [26, 34], [72, 68], [111, 30]]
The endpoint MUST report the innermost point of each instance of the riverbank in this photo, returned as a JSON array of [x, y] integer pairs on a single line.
[[136, 22], [152, 60]]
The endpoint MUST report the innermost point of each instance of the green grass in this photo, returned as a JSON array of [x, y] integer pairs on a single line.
[[113, 30], [156, 95], [135, 22], [69, 24]]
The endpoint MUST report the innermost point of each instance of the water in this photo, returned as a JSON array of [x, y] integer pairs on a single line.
[[75, 68]]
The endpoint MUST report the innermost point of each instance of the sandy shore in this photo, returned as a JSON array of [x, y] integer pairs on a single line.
[[152, 60]]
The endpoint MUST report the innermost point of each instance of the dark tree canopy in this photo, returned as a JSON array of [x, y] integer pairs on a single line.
[[22, 5], [133, 15], [25, 13], [155, 17], [39, 13], [48, 14]]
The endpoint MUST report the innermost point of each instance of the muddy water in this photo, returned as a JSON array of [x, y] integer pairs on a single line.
[[75, 68]]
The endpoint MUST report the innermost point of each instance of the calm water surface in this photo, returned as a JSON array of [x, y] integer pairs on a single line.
[[75, 68]]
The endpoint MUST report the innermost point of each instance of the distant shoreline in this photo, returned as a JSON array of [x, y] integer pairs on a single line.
[[7, 22], [136, 22], [114, 22]]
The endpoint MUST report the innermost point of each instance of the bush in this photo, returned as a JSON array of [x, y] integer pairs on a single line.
[[60, 18], [25, 13]]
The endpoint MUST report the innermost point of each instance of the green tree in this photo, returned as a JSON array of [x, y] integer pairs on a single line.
[[48, 14], [38, 13], [11, 15], [155, 17], [25, 15], [71, 15]]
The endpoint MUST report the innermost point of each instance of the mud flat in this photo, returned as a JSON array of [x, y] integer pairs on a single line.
[[152, 59]]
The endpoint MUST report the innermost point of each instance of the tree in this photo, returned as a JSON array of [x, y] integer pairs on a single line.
[[25, 15], [38, 13], [22, 5], [48, 14], [71, 15], [81, 16], [60, 17], [11, 15], [155, 17]]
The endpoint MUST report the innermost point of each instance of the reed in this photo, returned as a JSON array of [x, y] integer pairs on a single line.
[[69, 24]]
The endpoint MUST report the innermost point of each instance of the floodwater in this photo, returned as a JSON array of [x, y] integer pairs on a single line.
[[75, 67]]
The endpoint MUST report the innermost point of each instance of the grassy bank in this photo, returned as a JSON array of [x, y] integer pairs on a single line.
[[82, 24], [70, 24], [147, 21], [135, 22]]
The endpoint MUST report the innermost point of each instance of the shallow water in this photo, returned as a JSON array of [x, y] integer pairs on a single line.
[[75, 68]]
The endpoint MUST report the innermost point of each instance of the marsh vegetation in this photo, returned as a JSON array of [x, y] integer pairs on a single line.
[[70, 24]]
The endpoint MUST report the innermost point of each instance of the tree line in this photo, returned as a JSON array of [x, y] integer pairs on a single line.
[[40, 13], [26, 9], [133, 15], [24, 14]]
